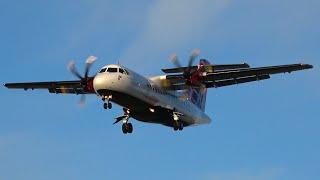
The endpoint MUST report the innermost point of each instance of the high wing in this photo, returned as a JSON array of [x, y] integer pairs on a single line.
[[82, 86], [234, 76], [65, 87]]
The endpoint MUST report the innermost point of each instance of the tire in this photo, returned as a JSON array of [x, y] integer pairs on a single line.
[[180, 126], [175, 126], [130, 128], [105, 106], [109, 105], [124, 128]]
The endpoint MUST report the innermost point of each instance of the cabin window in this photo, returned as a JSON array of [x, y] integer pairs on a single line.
[[112, 70]]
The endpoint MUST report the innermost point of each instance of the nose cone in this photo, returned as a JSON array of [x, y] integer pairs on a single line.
[[99, 83]]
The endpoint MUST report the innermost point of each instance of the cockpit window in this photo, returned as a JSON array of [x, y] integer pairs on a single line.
[[123, 71], [103, 70], [112, 70]]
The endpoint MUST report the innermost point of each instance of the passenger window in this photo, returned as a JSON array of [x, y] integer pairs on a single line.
[[112, 70]]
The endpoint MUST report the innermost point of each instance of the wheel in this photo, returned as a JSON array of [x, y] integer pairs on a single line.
[[180, 126], [175, 126], [105, 106], [124, 128], [129, 128], [109, 105]]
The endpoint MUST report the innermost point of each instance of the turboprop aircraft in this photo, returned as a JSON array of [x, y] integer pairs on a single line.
[[176, 99]]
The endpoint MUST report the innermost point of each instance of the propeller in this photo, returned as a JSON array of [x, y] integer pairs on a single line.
[[187, 73], [84, 80]]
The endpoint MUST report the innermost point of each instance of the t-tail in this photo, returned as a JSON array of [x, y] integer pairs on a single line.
[[198, 95]]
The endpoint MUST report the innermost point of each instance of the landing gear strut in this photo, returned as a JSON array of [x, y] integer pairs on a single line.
[[107, 105], [177, 124], [126, 127]]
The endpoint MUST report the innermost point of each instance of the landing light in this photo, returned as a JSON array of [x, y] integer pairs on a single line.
[[151, 110]]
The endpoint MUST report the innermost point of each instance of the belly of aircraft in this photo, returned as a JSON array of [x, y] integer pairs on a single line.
[[140, 110]]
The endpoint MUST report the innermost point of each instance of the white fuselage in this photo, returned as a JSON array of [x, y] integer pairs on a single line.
[[129, 83]]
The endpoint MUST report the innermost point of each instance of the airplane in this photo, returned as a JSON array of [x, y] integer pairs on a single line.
[[176, 99]]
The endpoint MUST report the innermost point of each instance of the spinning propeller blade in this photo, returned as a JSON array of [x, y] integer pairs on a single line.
[[73, 70], [83, 79]]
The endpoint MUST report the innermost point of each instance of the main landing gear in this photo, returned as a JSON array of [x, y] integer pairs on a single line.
[[126, 127], [107, 105], [177, 124]]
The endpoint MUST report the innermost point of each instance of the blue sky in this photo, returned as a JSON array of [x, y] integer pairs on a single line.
[[261, 130]]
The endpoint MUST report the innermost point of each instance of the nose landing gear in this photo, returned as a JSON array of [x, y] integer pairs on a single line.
[[107, 105]]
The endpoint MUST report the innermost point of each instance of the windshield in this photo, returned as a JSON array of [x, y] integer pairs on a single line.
[[123, 71], [112, 70], [103, 70]]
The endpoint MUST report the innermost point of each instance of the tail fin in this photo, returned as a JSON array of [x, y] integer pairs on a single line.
[[198, 95]]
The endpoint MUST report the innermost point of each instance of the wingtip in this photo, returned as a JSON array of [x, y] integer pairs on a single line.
[[307, 66]]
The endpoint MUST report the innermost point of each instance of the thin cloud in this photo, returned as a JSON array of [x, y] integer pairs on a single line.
[[171, 25]]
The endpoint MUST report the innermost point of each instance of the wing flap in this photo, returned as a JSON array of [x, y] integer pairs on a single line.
[[66, 91], [236, 81]]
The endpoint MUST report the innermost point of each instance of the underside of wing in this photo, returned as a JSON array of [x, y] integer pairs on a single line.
[[226, 78], [65, 87], [234, 76]]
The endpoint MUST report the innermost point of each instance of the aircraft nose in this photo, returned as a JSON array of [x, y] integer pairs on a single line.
[[99, 83]]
